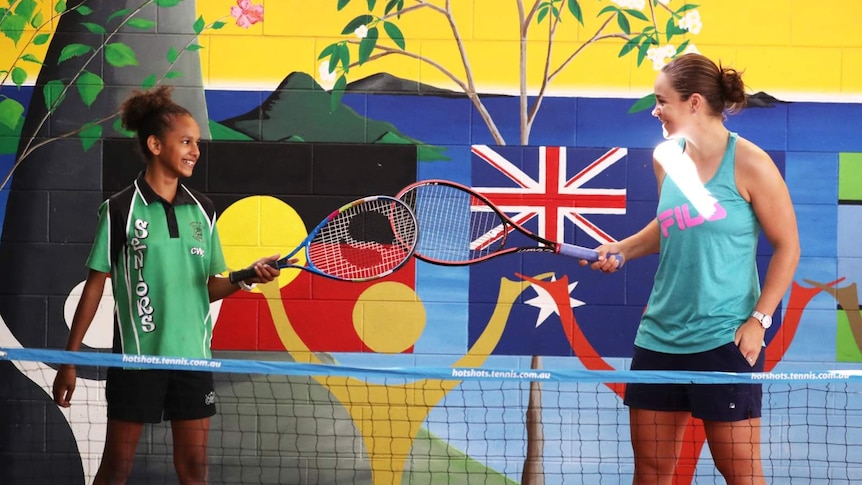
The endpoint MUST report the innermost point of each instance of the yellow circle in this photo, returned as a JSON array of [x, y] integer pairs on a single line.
[[259, 226], [388, 317]]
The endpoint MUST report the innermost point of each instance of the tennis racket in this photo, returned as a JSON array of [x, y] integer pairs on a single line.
[[459, 226], [364, 240]]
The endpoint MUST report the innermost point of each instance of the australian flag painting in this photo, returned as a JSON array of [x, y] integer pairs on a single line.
[[583, 196]]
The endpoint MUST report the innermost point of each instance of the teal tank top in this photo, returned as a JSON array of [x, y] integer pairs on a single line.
[[707, 283]]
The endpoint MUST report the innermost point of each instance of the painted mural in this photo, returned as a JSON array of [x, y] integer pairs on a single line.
[[543, 106]]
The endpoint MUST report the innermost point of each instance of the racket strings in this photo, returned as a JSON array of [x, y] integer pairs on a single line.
[[455, 226], [365, 240]]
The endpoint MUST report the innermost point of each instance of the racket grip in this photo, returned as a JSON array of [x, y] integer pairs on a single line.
[[241, 275], [588, 254]]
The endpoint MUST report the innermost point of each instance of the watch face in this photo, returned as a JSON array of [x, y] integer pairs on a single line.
[[766, 321]]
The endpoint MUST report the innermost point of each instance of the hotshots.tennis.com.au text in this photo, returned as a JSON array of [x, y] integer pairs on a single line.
[[496, 374], [802, 376], [149, 359]]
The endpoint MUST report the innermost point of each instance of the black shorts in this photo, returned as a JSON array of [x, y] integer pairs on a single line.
[[710, 402], [148, 396]]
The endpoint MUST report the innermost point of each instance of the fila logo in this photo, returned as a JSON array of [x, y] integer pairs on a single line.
[[209, 399], [197, 252]]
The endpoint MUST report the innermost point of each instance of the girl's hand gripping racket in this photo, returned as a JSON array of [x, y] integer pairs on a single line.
[[459, 226], [364, 240]]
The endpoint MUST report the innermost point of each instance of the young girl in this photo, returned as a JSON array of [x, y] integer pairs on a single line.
[[157, 240], [707, 311]]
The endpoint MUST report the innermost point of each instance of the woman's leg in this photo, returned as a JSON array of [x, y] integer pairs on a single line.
[[656, 441], [190, 450], [119, 455], [735, 448]]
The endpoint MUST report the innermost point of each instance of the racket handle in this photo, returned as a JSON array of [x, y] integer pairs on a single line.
[[236, 276], [581, 252]]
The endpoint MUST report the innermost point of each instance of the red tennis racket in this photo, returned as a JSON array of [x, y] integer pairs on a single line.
[[459, 226]]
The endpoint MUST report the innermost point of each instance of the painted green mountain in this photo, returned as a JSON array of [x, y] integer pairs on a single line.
[[299, 110]]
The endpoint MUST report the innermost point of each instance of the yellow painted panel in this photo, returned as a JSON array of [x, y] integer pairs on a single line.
[[746, 22], [801, 69], [261, 61], [496, 20], [829, 24], [851, 71]]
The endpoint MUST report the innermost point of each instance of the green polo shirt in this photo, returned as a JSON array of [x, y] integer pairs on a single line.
[[160, 256]]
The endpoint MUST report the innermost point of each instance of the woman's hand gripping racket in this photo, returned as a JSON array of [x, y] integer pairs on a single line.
[[458, 226], [364, 240]]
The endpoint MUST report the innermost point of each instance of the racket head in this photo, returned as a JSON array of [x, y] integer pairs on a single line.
[[363, 240], [459, 226]]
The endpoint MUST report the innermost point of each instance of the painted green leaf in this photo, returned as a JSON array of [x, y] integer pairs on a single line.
[[218, 24], [390, 5], [142, 24], [73, 50], [31, 58], [607, 9], [173, 74], [344, 57], [119, 128], [172, 55], [94, 28], [337, 93], [643, 50], [643, 104], [89, 86], [148, 82], [682, 46], [90, 135], [26, 8], [637, 14], [543, 12], [19, 76], [366, 46], [53, 94], [342, 4], [119, 13], [327, 51], [623, 22], [630, 45], [37, 20], [168, 3], [60, 6], [40, 39], [355, 23], [575, 8], [119, 54], [395, 34], [11, 112], [194, 47], [199, 25], [13, 27], [371, 4], [687, 7], [83, 10]]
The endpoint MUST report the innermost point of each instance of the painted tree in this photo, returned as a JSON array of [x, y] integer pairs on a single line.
[[646, 29]]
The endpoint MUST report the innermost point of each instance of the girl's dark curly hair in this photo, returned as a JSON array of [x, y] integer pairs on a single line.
[[150, 113]]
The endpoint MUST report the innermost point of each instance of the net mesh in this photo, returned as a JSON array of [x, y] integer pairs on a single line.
[[288, 422]]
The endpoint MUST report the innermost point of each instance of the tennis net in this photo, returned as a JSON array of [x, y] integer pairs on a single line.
[[282, 421]]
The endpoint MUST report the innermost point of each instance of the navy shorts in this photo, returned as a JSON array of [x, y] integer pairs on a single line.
[[710, 402], [148, 396]]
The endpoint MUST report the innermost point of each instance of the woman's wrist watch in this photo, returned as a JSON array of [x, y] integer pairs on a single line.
[[764, 319]]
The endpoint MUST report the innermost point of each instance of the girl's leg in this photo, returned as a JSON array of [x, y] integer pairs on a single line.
[[119, 455], [190, 450]]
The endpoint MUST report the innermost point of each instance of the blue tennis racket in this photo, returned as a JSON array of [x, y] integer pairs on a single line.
[[364, 240]]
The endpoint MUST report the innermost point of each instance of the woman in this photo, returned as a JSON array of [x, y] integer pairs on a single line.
[[157, 240], [707, 311]]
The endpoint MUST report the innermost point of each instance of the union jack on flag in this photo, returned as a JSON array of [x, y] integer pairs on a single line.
[[537, 185]]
